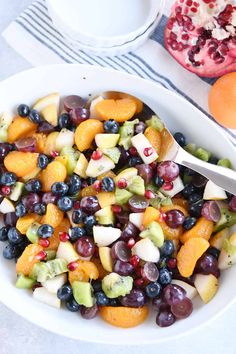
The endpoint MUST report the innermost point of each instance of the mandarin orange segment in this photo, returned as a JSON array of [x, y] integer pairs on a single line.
[[125, 317], [87, 191], [24, 222], [189, 253], [174, 206], [102, 272], [28, 259], [50, 144], [86, 270], [171, 234], [154, 138], [203, 229], [20, 128], [150, 214], [86, 132], [53, 216], [55, 239], [54, 172], [62, 159], [222, 100], [120, 110], [110, 174], [40, 141], [166, 143], [139, 104], [21, 163]]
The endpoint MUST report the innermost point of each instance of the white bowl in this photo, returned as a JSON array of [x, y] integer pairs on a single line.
[[179, 115], [103, 23]]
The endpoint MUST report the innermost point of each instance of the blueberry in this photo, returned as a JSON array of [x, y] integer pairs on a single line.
[[108, 184], [33, 185], [97, 285], [23, 110], [159, 181], [45, 231], [65, 292], [102, 299], [72, 305], [8, 179], [111, 126], [76, 233], [3, 233], [164, 276], [20, 210], [189, 222], [114, 302], [10, 251], [40, 208], [214, 252], [180, 138], [74, 183], [193, 198], [43, 161], [91, 180], [14, 236], [196, 208], [59, 188], [188, 190], [77, 216], [65, 203], [90, 221], [64, 121], [135, 160], [213, 160], [139, 127], [35, 117], [168, 248], [153, 290]]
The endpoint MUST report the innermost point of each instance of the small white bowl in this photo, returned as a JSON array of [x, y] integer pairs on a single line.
[[103, 23]]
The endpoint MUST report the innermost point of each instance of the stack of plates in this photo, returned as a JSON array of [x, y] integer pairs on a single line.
[[106, 27]]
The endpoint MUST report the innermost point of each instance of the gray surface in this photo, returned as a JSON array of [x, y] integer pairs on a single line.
[[18, 336]]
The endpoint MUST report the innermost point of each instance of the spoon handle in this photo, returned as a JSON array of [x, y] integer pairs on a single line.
[[222, 176]]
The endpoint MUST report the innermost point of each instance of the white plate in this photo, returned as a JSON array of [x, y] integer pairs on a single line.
[[103, 23], [179, 115]]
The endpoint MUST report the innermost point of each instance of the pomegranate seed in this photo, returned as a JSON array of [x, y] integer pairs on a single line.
[[54, 154], [172, 263], [148, 151], [133, 151], [138, 271], [134, 260], [97, 185], [44, 242], [149, 194], [6, 190], [162, 216], [153, 165], [122, 183], [96, 155], [64, 236], [185, 37], [131, 242], [138, 282], [211, 6], [72, 266], [189, 2], [96, 252], [84, 184], [193, 9], [196, 4], [76, 205], [42, 255], [116, 209], [167, 186], [178, 9]]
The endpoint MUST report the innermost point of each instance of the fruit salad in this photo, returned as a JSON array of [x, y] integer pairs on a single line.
[[98, 223]]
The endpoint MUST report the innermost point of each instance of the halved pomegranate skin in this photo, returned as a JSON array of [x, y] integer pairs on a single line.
[[201, 36]]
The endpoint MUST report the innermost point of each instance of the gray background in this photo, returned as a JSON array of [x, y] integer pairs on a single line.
[[18, 336]]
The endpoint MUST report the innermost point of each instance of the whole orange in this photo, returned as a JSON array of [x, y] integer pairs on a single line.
[[222, 100]]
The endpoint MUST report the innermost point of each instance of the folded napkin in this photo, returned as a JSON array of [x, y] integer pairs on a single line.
[[34, 36]]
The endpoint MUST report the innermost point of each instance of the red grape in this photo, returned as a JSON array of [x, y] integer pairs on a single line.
[[122, 217], [165, 318], [136, 298], [174, 218], [89, 313], [121, 251], [173, 294], [123, 268], [26, 144], [45, 127], [139, 127], [183, 308], [129, 231], [159, 305], [207, 264], [211, 211], [150, 272], [48, 198], [199, 181], [4, 150], [168, 170], [85, 247], [79, 114], [10, 219], [146, 172], [89, 205], [73, 101], [232, 204], [30, 200], [138, 203]]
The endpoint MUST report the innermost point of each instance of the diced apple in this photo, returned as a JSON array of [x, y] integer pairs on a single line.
[[104, 236], [191, 292], [43, 295], [177, 188], [81, 166], [213, 192], [105, 258], [228, 253], [66, 251], [207, 286], [52, 285], [6, 119], [232, 239], [104, 141], [106, 199], [146, 250], [98, 167], [127, 174], [32, 174], [6, 206], [93, 113], [218, 239], [64, 139], [105, 216], [48, 107], [140, 142], [136, 219]]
